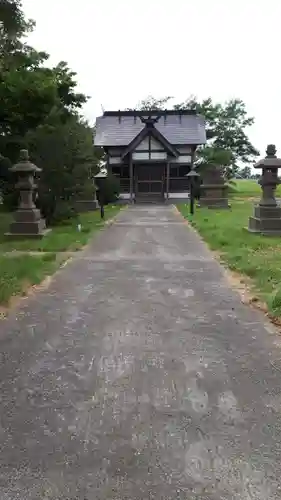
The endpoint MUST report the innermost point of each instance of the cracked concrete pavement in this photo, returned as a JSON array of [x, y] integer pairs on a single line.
[[140, 375]]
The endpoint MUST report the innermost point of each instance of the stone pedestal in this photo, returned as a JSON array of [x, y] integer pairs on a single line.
[[28, 222], [267, 214], [86, 205], [266, 220], [214, 191]]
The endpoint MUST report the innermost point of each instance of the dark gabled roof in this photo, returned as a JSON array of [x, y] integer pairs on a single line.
[[119, 128], [153, 132]]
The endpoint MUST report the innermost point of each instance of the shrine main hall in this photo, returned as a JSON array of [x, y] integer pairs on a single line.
[[151, 152]]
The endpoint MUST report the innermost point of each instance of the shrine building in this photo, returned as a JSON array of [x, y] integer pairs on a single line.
[[151, 151]]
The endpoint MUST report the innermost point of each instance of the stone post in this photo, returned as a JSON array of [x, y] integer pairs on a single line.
[[267, 213], [28, 222]]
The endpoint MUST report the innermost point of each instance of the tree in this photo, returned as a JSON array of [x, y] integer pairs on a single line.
[[13, 27], [12, 20], [30, 92], [40, 111], [226, 126], [67, 158], [245, 173], [151, 103]]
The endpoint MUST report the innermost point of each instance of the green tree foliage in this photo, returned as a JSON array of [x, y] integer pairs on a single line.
[[5, 174], [151, 103], [226, 126], [13, 28], [11, 17], [40, 111], [245, 173], [111, 189], [65, 155]]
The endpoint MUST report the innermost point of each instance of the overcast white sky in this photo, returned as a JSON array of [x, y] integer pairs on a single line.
[[124, 50]]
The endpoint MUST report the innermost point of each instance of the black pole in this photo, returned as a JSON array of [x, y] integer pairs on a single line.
[[100, 198], [101, 211], [191, 197]]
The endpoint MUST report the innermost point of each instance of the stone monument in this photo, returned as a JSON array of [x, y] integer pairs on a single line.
[[88, 204], [267, 213], [28, 222], [213, 189]]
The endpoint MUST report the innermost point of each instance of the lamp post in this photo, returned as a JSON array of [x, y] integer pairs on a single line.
[[100, 183], [192, 176]]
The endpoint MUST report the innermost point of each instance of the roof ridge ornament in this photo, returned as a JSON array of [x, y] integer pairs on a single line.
[[150, 120]]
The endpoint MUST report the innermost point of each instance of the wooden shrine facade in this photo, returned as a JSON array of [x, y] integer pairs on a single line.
[[151, 152]]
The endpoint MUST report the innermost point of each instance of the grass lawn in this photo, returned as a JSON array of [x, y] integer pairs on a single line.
[[255, 256], [19, 272], [250, 188], [61, 238]]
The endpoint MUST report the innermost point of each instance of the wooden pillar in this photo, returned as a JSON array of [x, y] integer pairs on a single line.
[[167, 180], [131, 178], [108, 165], [193, 152]]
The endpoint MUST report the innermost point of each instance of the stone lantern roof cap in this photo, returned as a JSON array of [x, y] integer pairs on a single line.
[[24, 165], [192, 173], [101, 175], [270, 160]]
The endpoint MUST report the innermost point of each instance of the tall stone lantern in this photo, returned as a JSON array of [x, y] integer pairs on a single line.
[[28, 222], [267, 213]]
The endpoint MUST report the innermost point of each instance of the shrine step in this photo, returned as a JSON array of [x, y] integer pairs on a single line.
[[149, 199]]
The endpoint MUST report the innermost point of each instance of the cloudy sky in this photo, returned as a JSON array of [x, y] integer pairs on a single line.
[[124, 50]]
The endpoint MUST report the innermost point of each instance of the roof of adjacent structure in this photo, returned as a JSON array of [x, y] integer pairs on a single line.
[[119, 128]]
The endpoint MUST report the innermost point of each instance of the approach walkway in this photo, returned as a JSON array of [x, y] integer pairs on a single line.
[[138, 375]]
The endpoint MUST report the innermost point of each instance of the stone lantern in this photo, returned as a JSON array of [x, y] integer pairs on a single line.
[[267, 213], [28, 222]]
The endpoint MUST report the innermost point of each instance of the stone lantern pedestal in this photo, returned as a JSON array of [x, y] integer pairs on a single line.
[[214, 191], [88, 205], [267, 213], [28, 222]]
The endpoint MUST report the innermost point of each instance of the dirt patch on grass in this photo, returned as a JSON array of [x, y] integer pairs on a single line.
[[244, 286]]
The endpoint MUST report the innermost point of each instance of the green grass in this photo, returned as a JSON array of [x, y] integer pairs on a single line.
[[18, 273], [252, 255], [250, 188], [61, 238]]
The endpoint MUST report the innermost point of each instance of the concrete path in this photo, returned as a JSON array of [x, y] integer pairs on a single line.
[[139, 375]]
